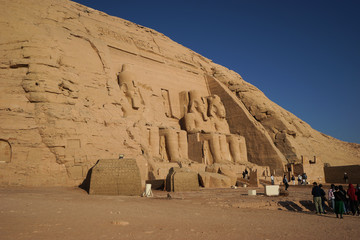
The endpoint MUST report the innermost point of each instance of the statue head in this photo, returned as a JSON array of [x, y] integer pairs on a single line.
[[198, 104], [127, 83], [216, 107]]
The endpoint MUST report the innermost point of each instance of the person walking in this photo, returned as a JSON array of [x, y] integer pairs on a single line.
[[317, 198], [286, 182], [272, 179], [339, 204], [351, 192]]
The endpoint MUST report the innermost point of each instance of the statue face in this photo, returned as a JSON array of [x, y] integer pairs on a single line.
[[127, 85], [216, 107], [220, 110]]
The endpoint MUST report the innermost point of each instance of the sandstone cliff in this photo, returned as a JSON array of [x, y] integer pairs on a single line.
[[62, 109]]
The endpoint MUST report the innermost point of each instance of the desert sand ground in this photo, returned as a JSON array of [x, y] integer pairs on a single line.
[[70, 213]]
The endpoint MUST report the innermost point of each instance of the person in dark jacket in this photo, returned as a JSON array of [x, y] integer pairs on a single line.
[[345, 200], [339, 202], [316, 192], [351, 192], [323, 198], [357, 192], [286, 183]]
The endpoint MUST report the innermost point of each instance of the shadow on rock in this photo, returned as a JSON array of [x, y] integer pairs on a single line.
[[85, 185]]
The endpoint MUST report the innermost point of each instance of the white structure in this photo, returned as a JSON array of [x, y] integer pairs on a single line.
[[272, 190], [252, 192], [148, 192]]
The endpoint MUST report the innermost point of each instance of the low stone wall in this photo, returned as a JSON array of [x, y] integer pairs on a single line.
[[115, 177], [336, 174]]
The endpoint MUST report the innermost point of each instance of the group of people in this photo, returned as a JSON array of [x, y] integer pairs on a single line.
[[302, 180], [339, 200]]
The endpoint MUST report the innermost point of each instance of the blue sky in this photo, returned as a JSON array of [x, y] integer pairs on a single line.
[[303, 54]]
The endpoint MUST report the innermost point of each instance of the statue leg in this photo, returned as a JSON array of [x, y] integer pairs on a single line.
[[234, 144], [154, 141], [215, 148], [171, 143], [224, 148], [183, 144]]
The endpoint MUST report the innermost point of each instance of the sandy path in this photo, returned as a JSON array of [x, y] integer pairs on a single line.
[[69, 213]]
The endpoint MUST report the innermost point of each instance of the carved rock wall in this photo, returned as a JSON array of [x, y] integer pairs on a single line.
[[62, 105]]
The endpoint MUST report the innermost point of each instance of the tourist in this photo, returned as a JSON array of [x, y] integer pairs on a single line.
[[246, 174], [346, 177], [357, 192], [299, 179], [332, 197], [304, 178], [339, 204], [285, 181], [317, 198], [353, 200], [323, 198], [293, 179], [344, 199], [272, 179]]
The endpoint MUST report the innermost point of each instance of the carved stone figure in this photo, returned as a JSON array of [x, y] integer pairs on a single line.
[[196, 119], [217, 115], [207, 117], [219, 147], [166, 143], [127, 83], [175, 144]]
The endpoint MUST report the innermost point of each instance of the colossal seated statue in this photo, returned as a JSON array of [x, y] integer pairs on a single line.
[[207, 117], [217, 115], [156, 139]]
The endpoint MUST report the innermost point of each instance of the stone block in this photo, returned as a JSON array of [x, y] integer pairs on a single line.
[[254, 178], [272, 190], [115, 177], [229, 173], [252, 192], [182, 179], [214, 180]]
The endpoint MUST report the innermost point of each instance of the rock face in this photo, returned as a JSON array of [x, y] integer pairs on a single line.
[[78, 85]]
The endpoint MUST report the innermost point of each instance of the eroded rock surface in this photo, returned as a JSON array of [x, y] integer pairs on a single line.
[[78, 85]]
